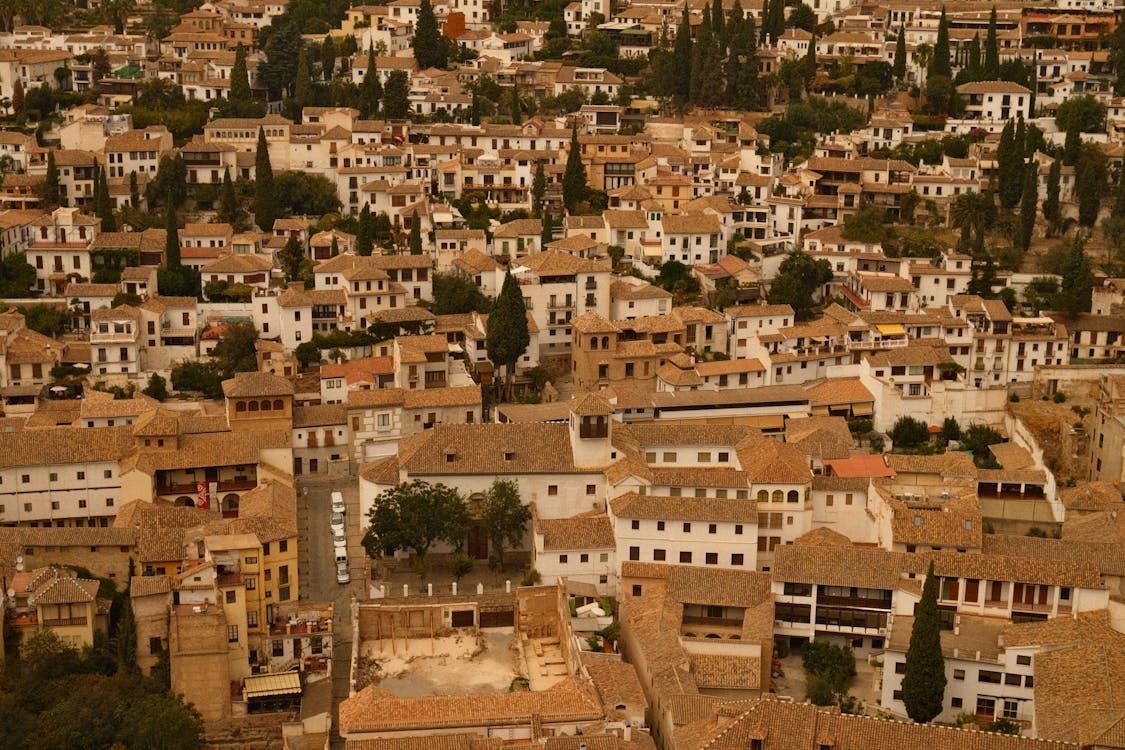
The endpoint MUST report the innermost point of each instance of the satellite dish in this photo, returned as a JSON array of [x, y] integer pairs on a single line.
[[11, 593], [19, 559]]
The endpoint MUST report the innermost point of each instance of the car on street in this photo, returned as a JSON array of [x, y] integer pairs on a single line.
[[338, 503], [337, 523], [342, 574], [339, 541]]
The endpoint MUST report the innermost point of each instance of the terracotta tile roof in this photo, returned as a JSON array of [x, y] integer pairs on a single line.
[[591, 322], [249, 384], [726, 671], [150, 585], [664, 507], [591, 405], [492, 449], [99, 404], [586, 531], [64, 445], [319, 415], [558, 263], [616, 682], [373, 709], [56, 586], [465, 395], [838, 391], [1091, 497], [769, 461]]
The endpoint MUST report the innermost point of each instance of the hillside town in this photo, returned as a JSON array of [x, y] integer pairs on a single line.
[[629, 375]]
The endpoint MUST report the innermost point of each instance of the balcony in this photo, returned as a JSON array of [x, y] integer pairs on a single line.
[[64, 622], [854, 602]]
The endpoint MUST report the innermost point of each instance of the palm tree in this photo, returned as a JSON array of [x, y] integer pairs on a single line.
[[923, 56], [969, 213]]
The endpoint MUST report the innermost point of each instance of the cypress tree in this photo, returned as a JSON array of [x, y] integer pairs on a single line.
[[682, 58], [742, 68], [923, 684], [506, 333], [228, 203], [429, 46], [105, 203], [127, 637], [328, 58], [51, 193], [1028, 205], [1051, 204], [574, 177], [717, 28], [364, 236], [1077, 280], [940, 64], [171, 236], [18, 96], [474, 112], [371, 89], [972, 62], [899, 66], [1117, 57], [290, 258], [1009, 158], [777, 19], [707, 67], [265, 198], [547, 234], [302, 88], [239, 78], [538, 187], [516, 107], [1119, 195], [396, 96], [415, 234], [765, 22], [1072, 146], [991, 49], [134, 191], [335, 249], [1089, 184], [1033, 85]]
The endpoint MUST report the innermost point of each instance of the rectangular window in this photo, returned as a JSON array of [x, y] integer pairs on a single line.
[[660, 526], [283, 545], [658, 555], [591, 489], [712, 528], [231, 596], [685, 557], [552, 490], [958, 674], [634, 553], [738, 529], [712, 558], [635, 524], [564, 559], [252, 619], [232, 634], [583, 558], [736, 559], [687, 528]]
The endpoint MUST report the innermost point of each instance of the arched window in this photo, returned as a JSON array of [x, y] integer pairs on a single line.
[[763, 496], [265, 404], [605, 342], [240, 406], [253, 406], [593, 342], [794, 496], [778, 496], [278, 405]]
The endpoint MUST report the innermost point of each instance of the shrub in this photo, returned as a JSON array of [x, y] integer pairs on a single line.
[[1059, 397], [533, 578], [1014, 398], [462, 566]]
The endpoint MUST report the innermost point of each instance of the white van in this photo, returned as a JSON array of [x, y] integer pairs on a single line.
[[338, 503]]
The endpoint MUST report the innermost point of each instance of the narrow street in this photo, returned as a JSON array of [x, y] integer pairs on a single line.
[[318, 568]]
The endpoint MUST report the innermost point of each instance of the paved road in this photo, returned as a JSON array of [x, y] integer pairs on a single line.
[[318, 568]]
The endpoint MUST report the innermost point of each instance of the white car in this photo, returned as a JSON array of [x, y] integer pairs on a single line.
[[339, 541], [337, 523], [338, 503], [342, 574]]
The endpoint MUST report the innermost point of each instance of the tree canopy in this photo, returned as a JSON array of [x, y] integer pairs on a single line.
[[506, 335], [505, 517], [923, 684], [456, 293], [413, 516], [798, 281]]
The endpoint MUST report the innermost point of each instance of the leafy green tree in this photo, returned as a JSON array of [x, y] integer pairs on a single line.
[[940, 64], [802, 17], [991, 50], [833, 667], [235, 351], [506, 333], [301, 193], [456, 294], [799, 279], [909, 432], [950, 430], [868, 224], [538, 187], [969, 211], [157, 387], [415, 234], [413, 517], [283, 48], [899, 64], [1051, 205], [18, 102], [941, 96], [45, 319], [364, 239], [505, 516], [1028, 206], [17, 276], [923, 684], [430, 49], [574, 176], [396, 102], [170, 183], [1085, 113], [290, 258], [265, 196]]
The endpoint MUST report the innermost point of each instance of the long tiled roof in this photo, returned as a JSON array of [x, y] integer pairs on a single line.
[[662, 507]]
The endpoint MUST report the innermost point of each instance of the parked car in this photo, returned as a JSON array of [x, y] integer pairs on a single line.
[[337, 523], [338, 503], [342, 574], [339, 541]]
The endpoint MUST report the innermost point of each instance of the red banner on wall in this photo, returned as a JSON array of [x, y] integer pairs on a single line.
[[201, 491]]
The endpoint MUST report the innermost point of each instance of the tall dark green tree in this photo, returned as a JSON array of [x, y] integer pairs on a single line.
[[717, 25], [515, 106], [290, 258], [134, 191], [991, 50], [547, 232], [127, 636], [538, 187], [105, 203], [574, 177], [303, 85], [1009, 159], [506, 333], [328, 58], [415, 234], [1119, 195], [706, 88], [266, 208], [371, 88], [742, 67], [1051, 203], [430, 48], [899, 64], [1117, 57], [506, 518], [239, 78], [171, 237], [941, 63], [228, 202], [1072, 145], [52, 195], [682, 58], [283, 48], [1028, 206], [923, 684], [396, 101], [972, 69], [364, 236], [1077, 285], [1089, 183]]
